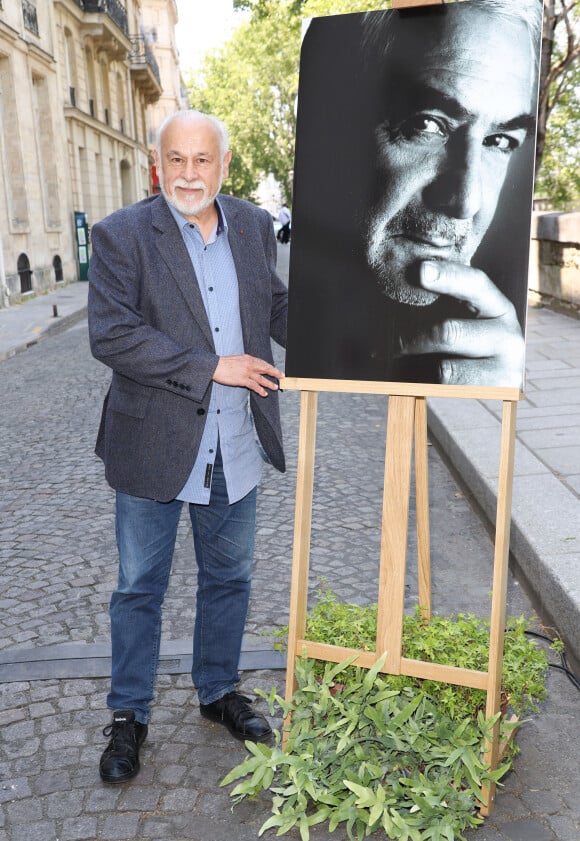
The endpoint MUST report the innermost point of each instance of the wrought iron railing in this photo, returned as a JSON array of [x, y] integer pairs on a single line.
[[113, 8], [141, 53]]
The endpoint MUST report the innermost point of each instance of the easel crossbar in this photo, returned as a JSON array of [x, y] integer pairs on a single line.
[[411, 668]]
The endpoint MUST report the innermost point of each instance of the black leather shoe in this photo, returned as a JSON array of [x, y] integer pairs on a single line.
[[120, 759], [235, 713]]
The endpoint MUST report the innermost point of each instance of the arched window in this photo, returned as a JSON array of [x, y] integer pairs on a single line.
[[57, 266], [24, 273]]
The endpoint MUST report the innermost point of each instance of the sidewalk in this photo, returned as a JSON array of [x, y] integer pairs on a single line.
[[545, 531], [545, 534], [26, 324]]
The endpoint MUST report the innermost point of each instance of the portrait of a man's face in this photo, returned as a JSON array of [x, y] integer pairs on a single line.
[[413, 189]]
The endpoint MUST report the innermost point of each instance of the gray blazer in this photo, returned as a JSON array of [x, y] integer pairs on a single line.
[[148, 323]]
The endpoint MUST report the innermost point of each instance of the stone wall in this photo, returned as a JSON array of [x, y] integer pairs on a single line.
[[555, 257]]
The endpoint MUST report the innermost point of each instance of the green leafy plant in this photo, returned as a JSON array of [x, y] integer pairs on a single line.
[[383, 753], [460, 640]]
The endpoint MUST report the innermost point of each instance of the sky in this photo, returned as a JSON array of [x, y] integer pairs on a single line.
[[203, 25]]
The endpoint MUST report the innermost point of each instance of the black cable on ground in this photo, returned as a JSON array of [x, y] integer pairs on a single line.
[[563, 665]]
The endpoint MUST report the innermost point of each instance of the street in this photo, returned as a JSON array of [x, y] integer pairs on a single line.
[[59, 567]]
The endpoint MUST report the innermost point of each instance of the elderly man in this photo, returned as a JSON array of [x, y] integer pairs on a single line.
[[183, 300], [460, 105], [404, 179]]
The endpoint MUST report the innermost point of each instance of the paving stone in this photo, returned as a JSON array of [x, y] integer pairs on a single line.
[[80, 829], [23, 811], [14, 789], [142, 799], [103, 798], [528, 830], [35, 831], [179, 800], [52, 781], [10, 716], [117, 827], [566, 828]]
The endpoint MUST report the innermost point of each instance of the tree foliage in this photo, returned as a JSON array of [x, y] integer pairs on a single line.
[[252, 84], [557, 156]]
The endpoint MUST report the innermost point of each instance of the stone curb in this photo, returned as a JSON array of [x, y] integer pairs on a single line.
[[61, 323], [468, 433]]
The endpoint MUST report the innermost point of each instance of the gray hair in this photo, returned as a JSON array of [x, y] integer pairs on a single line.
[[191, 115], [380, 28]]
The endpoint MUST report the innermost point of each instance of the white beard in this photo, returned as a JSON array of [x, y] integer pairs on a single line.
[[184, 206]]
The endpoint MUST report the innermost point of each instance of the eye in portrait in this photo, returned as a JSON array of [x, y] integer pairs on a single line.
[[413, 194]]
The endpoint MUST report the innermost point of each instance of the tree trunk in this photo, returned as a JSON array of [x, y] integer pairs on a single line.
[[547, 49]]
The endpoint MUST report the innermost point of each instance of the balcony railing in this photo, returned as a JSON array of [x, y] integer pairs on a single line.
[[141, 53], [113, 8], [30, 18]]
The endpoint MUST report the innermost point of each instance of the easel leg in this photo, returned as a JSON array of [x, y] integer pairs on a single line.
[[302, 529], [422, 507], [394, 530], [500, 577]]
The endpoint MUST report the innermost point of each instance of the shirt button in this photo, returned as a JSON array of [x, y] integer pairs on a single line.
[[210, 288], [201, 411], [218, 411], [217, 329]]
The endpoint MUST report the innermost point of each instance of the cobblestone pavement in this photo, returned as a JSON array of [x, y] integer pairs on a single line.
[[58, 568]]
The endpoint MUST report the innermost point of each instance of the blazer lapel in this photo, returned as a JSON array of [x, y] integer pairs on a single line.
[[173, 251]]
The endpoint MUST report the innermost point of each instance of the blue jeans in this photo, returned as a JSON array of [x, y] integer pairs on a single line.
[[223, 537]]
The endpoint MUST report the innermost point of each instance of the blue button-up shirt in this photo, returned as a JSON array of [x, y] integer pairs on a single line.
[[229, 419]]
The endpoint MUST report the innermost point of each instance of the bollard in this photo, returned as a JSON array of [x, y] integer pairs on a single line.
[[54, 311]]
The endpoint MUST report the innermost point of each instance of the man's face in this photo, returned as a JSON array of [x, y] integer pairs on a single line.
[[191, 165], [459, 110]]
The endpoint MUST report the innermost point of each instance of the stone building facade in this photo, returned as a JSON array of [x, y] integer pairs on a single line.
[[77, 78]]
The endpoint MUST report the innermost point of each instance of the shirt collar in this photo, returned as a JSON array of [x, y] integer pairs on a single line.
[[222, 225]]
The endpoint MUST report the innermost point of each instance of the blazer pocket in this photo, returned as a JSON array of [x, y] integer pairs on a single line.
[[129, 398]]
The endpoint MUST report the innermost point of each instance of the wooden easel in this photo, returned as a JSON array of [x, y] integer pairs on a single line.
[[406, 430]]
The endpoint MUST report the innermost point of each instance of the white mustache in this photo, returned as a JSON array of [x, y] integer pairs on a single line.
[[189, 185]]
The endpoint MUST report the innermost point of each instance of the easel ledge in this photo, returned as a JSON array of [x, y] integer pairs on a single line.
[[471, 392]]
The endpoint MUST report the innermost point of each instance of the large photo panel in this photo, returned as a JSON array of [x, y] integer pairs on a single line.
[[413, 194]]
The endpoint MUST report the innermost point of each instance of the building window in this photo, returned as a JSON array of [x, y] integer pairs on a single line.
[[25, 273], [30, 17]]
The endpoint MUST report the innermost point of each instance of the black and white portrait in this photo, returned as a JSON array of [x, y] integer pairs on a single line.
[[413, 194]]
